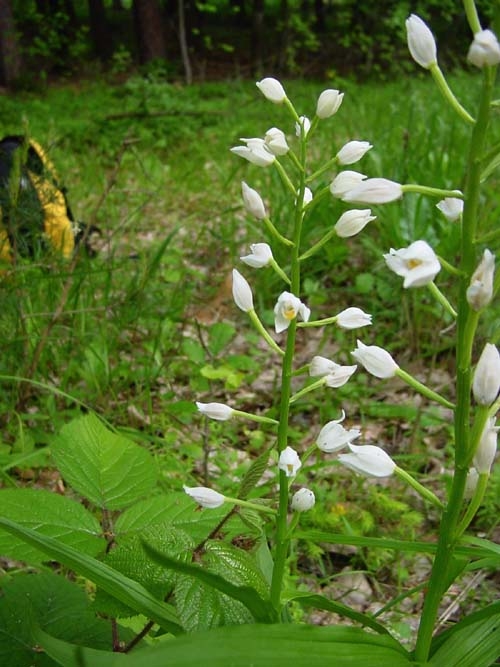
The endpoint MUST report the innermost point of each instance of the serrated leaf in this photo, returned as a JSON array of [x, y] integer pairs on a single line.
[[237, 566], [108, 469], [254, 474], [50, 514]]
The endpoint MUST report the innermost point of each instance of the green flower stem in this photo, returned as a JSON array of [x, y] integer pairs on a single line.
[[423, 389], [277, 268], [419, 488], [318, 323], [293, 524], [276, 233], [474, 504], [263, 332], [291, 109], [294, 159], [472, 17], [449, 267], [285, 178], [254, 418], [466, 327], [440, 298], [448, 95], [252, 506], [431, 192], [317, 246], [328, 165], [310, 387]]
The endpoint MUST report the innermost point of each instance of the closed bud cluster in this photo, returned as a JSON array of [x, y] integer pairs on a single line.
[[303, 126], [255, 151]]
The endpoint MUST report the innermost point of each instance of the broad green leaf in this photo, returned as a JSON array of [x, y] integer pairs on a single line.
[[50, 514], [108, 469], [232, 378], [237, 566], [70, 655], [254, 474], [124, 589], [250, 646]]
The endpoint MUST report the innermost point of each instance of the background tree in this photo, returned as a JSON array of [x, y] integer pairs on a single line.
[[10, 59], [149, 26]]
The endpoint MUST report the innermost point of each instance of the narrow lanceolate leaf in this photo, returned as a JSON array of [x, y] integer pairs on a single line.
[[107, 469], [279, 645], [253, 475], [124, 589]]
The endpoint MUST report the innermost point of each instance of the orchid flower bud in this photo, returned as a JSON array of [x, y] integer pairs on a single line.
[[421, 42], [304, 124], [368, 460], [451, 208], [335, 375], [253, 202], [286, 309], [255, 152], [334, 437], [374, 191], [484, 49], [289, 462], [353, 318], [486, 379], [345, 181], [328, 103], [303, 500], [487, 448], [480, 291], [242, 292], [417, 264], [308, 197], [352, 152], [260, 256], [375, 360], [352, 222], [204, 496], [272, 90], [471, 483], [218, 411], [275, 141]]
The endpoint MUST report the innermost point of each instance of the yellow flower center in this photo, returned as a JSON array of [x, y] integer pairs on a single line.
[[413, 263], [289, 312]]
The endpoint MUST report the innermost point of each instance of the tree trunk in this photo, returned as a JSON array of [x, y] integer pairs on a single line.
[[183, 43], [256, 56], [99, 31], [10, 59], [149, 30]]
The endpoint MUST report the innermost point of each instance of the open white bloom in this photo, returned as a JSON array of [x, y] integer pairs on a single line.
[[487, 448], [352, 152], [272, 90], [334, 437], [417, 264], [375, 360], [289, 462], [204, 496], [328, 103], [486, 379], [421, 42], [335, 375], [260, 256], [275, 141], [303, 500], [242, 292], [353, 318], [484, 49], [480, 290], [286, 309], [352, 222], [374, 191], [218, 411], [451, 208], [254, 151], [345, 181], [253, 202], [368, 460], [304, 123]]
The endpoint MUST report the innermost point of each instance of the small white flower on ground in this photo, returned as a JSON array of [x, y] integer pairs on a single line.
[[368, 460], [345, 181], [421, 42], [204, 496], [289, 462], [484, 49], [253, 202], [275, 141], [487, 448], [287, 308], [242, 292], [303, 500], [218, 411], [353, 318], [486, 380], [451, 208], [375, 360], [374, 191], [335, 375], [334, 437], [304, 123], [272, 90], [260, 256], [328, 103], [480, 290], [255, 152], [352, 152], [417, 264], [352, 222]]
